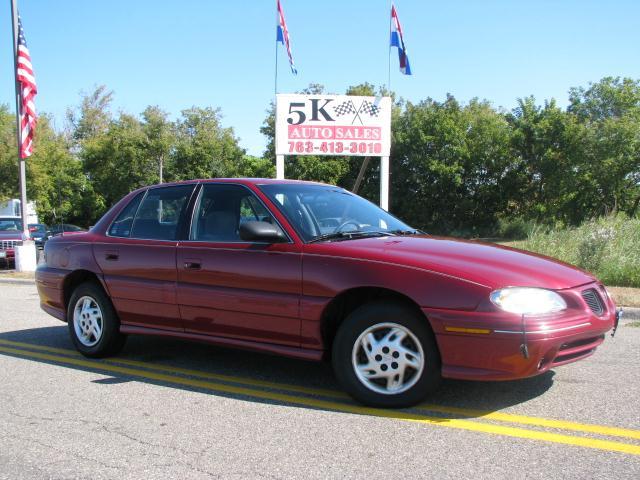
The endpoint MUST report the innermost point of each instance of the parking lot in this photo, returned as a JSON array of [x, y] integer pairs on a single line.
[[166, 409]]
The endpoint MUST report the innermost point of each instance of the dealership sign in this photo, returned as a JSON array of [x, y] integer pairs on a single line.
[[333, 125]]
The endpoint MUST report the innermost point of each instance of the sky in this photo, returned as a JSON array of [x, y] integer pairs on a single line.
[[222, 53]]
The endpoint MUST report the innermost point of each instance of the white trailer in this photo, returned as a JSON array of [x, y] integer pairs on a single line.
[[11, 208]]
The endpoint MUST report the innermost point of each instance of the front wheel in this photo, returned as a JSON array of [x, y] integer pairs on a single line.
[[93, 324], [385, 355]]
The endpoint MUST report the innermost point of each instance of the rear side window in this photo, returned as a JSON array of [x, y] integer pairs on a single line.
[[122, 225], [160, 211]]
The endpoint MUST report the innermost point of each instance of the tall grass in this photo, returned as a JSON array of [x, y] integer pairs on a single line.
[[608, 247]]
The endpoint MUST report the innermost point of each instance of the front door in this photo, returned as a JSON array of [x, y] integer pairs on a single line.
[[236, 289], [138, 258]]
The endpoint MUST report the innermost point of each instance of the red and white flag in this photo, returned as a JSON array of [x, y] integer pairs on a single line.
[[282, 36], [28, 91]]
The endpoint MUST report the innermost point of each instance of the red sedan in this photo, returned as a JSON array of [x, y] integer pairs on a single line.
[[313, 271]]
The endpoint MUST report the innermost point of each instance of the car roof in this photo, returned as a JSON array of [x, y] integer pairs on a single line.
[[243, 181], [254, 181]]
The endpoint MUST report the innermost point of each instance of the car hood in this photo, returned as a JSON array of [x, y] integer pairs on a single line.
[[12, 235], [491, 265]]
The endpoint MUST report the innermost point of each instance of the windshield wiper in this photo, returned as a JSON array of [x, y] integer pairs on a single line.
[[406, 232], [347, 236]]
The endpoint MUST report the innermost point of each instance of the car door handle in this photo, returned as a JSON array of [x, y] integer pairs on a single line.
[[192, 265], [112, 256]]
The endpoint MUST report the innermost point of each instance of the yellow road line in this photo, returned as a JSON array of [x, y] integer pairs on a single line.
[[335, 406], [471, 413], [537, 421], [186, 371]]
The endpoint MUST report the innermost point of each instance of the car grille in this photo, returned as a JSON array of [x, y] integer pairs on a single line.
[[593, 300], [6, 244]]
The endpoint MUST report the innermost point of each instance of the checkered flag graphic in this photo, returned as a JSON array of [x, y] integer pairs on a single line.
[[344, 108], [370, 109]]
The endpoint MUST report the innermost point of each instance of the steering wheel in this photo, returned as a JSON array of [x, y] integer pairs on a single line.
[[345, 223]]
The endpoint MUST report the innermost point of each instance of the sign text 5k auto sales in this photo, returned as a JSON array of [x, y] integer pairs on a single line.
[[333, 125]]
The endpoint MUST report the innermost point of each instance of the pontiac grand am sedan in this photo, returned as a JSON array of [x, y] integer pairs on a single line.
[[313, 271]]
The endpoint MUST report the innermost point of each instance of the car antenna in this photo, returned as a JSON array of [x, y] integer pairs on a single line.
[[524, 349], [60, 205]]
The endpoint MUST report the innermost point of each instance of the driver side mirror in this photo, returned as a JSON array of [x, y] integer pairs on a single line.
[[261, 232]]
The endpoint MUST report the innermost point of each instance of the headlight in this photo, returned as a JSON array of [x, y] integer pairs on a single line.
[[528, 301]]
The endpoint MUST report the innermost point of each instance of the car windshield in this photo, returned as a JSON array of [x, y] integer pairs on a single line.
[[319, 212], [10, 225]]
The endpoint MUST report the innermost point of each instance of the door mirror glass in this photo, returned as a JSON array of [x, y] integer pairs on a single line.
[[256, 231]]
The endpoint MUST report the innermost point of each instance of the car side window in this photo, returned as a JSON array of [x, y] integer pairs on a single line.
[[160, 211], [252, 210], [121, 227], [220, 211]]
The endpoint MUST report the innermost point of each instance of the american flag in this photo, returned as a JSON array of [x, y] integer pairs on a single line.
[[283, 37], [28, 91]]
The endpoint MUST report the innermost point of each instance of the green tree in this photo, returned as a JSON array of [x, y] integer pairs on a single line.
[[609, 161], [450, 165], [55, 179], [204, 149], [160, 137], [8, 155], [611, 97], [541, 144], [117, 161], [92, 117], [255, 167]]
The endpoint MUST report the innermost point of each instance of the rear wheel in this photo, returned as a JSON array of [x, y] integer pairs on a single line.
[[93, 324], [385, 355]]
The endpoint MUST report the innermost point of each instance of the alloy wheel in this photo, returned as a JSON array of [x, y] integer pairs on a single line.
[[87, 321], [388, 358]]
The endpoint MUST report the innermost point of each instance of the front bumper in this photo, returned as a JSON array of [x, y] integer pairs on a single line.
[[9, 255], [488, 345]]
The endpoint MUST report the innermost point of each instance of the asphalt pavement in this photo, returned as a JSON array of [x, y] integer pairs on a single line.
[[171, 409]]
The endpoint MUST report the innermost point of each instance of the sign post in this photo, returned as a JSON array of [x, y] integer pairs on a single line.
[[384, 183], [335, 125], [280, 167]]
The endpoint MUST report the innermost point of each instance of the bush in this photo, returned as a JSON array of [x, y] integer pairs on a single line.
[[609, 247], [516, 229]]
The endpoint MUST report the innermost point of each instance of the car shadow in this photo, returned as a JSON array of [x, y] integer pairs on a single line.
[[254, 372]]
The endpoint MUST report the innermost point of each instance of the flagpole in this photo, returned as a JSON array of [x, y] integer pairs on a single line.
[[275, 87], [279, 158], [389, 49], [22, 164]]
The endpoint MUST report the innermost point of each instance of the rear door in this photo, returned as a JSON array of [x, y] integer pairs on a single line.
[[231, 288], [138, 257]]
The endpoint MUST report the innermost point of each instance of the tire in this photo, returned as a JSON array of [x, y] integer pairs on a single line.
[[93, 324], [403, 360]]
